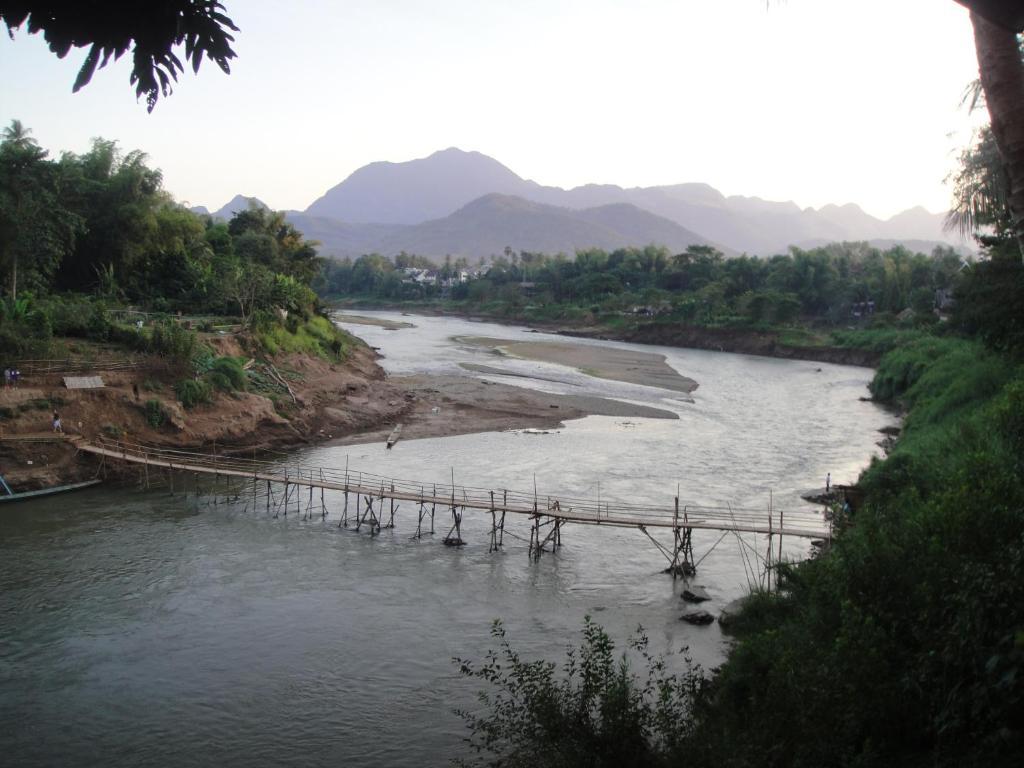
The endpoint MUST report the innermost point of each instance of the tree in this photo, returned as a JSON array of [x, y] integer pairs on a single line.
[[151, 29], [36, 230], [1001, 68], [250, 286], [268, 238], [981, 189], [119, 196]]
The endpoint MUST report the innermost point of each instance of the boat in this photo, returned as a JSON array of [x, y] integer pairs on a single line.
[[395, 434], [26, 495]]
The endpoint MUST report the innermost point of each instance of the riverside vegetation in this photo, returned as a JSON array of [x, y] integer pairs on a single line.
[[843, 303], [98, 260], [902, 645]]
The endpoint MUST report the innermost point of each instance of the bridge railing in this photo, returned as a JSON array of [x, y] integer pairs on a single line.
[[290, 469]]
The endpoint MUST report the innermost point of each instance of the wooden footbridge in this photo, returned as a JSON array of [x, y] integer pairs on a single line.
[[280, 487]]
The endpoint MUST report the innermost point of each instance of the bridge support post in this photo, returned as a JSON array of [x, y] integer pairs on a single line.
[[680, 556], [309, 503], [682, 563], [323, 504], [422, 515], [497, 527], [554, 535], [370, 513], [454, 537], [456, 529], [391, 518], [343, 523]]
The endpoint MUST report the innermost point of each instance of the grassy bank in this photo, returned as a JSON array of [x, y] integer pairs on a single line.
[[905, 646]]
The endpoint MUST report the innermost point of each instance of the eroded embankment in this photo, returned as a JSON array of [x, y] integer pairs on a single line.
[[323, 400]]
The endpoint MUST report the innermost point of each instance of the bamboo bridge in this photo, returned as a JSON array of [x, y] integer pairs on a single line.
[[279, 487]]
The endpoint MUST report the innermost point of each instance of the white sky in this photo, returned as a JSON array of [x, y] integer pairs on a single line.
[[817, 101]]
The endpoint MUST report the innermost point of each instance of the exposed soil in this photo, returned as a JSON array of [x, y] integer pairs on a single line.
[[330, 399], [441, 405]]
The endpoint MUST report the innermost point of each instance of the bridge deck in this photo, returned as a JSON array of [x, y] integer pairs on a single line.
[[806, 524]]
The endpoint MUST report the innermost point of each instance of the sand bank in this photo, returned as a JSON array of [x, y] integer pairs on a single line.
[[631, 366], [458, 405], [380, 322]]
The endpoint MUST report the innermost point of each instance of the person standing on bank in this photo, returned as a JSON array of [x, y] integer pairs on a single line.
[[828, 483], [56, 423]]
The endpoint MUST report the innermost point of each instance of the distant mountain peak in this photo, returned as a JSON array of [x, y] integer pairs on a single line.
[[417, 190], [431, 188], [916, 211], [236, 204]]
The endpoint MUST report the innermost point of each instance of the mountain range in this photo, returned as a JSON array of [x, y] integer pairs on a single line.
[[469, 204]]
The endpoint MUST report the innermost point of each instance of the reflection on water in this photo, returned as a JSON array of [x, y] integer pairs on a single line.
[[140, 628]]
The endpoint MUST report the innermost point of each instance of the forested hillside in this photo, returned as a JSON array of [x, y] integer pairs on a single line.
[[80, 234]]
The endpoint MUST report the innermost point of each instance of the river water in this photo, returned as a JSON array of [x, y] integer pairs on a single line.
[[141, 628]]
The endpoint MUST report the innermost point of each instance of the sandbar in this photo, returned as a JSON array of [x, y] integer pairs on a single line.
[[494, 371], [442, 405], [631, 366], [380, 322]]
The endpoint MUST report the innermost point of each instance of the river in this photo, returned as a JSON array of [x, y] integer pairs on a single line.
[[141, 628]]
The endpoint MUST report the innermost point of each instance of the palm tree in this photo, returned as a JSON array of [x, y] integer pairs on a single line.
[[1001, 66], [981, 190], [17, 135], [19, 159]]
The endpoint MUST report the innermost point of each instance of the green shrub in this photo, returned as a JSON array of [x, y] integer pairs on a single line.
[[877, 339], [192, 392], [990, 302], [170, 339], [113, 431], [595, 712], [315, 336], [202, 359], [228, 375], [156, 415]]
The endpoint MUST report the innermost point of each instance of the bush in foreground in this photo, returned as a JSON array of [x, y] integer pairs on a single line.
[[597, 712]]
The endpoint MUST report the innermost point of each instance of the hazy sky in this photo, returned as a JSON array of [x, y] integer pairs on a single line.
[[812, 100]]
